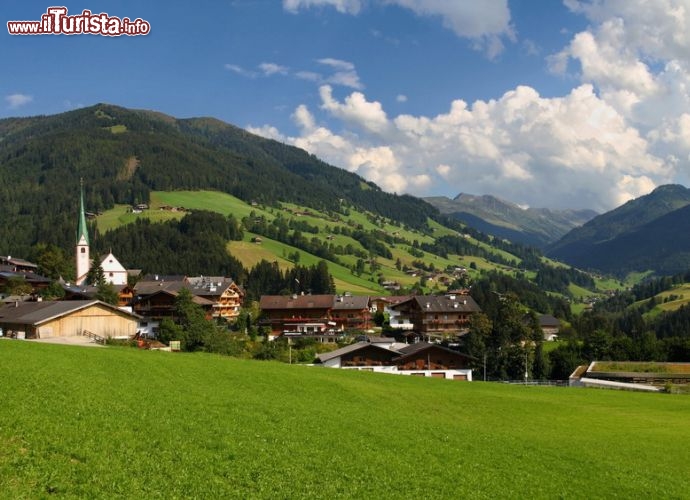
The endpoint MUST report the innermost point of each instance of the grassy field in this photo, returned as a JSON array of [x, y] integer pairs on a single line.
[[251, 254], [116, 422]]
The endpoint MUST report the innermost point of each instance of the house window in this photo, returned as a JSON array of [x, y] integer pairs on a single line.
[[111, 274], [83, 250]]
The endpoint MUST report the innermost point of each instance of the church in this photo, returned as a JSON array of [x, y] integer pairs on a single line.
[[113, 271]]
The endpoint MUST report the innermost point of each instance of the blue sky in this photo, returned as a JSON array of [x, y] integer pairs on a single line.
[[574, 104]]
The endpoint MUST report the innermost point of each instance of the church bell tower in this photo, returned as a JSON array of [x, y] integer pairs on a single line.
[[83, 262]]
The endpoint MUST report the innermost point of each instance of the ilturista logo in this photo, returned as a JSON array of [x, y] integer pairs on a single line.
[[57, 21]]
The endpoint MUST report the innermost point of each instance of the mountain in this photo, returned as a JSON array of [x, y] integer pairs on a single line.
[[491, 215], [648, 233], [122, 155]]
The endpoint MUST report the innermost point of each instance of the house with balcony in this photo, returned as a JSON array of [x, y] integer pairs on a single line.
[[436, 315], [325, 317]]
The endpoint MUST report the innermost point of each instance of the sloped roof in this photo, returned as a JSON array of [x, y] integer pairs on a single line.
[[342, 302], [442, 303], [327, 356], [269, 302], [174, 290], [208, 285], [35, 313], [29, 277], [413, 349], [88, 291], [17, 262], [155, 286], [547, 320]]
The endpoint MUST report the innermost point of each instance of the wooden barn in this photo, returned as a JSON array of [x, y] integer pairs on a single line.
[[52, 318]]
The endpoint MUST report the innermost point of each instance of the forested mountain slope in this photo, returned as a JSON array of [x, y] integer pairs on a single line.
[[647, 233], [123, 154]]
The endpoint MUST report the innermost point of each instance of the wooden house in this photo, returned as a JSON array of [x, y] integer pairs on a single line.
[[225, 294], [315, 315], [422, 359], [51, 318], [438, 314]]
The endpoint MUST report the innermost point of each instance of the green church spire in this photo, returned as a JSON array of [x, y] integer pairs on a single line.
[[82, 231]]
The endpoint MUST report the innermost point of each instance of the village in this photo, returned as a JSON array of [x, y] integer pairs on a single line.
[[144, 301]]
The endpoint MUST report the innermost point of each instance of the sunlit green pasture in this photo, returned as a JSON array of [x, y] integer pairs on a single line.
[[250, 254], [116, 422]]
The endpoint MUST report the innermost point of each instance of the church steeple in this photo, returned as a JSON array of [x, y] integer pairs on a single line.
[[81, 250], [82, 231]]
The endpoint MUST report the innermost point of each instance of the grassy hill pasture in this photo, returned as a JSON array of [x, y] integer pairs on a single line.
[[251, 254], [92, 423], [121, 215], [667, 301], [329, 228]]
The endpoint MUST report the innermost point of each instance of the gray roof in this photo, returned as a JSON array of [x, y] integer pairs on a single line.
[[208, 285], [549, 320], [350, 302], [326, 356], [35, 313], [411, 349], [151, 287], [442, 303], [17, 262]]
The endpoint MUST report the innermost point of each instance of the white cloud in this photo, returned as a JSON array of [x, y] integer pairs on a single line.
[[269, 132], [345, 73], [637, 55], [355, 110], [622, 130], [343, 6], [15, 101], [269, 69], [303, 118], [486, 23], [401, 98], [309, 76], [240, 70], [572, 151]]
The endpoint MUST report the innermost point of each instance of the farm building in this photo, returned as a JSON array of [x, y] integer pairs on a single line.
[[422, 359], [51, 318]]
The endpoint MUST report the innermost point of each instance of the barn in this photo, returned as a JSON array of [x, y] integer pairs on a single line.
[[52, 318]]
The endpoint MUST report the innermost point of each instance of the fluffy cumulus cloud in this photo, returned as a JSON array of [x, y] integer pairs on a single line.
[[637, 55], [15, 101], [573, 151], [486, 23], [622, 130]]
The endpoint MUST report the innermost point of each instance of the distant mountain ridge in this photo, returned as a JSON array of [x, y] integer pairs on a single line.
[[504, 219], [651, 232]]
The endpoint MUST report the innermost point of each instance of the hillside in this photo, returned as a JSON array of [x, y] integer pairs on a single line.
[[302, 210], [648, 233], [531, 226], [122, 155], [205, 426]]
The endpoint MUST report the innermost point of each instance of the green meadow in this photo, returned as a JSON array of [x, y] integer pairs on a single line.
[[117, 422]]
